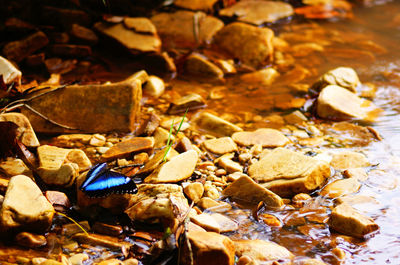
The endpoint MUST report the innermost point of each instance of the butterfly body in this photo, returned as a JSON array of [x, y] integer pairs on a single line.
[[101, 181]]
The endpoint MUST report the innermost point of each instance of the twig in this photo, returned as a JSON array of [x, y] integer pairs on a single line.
[[47, 118]]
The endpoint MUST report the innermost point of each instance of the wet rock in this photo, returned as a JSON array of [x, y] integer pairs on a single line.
[[84, 35], [205, 5], [310, 262], [78, 259], [128, 147], [134, 41], [230, 166], [262, 77], [30, 240], [349, 159], [184, 144], [346, 220], [112, 107], [212, 205], [357, 173], [51, 262], [208, 248], [101, 240], [10, 74], [258, 12], [70, 50], [215, 125], [25, 207], [227, 66], [225, 223], [211, 191], [161, 137], [19, 50], [341, 187], [246, 191], [52, 169], [220, 146], [194, 191], [342, 76], [148, 126], [106, 229], [287, 173], [131, 261], [262, 251], [337, 103], [71, 229], [296, 117], [177, 30], [356, 199], [299, 200], [140, 25], [58, 199], [14, 166], [26, 133], [250, 44], [199, 66], [191, 101], [111, 262], [178, 168], [264, 137], [206, 221], [154, 86]]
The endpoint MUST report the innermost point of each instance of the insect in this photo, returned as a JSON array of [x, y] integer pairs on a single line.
[[101, 181]]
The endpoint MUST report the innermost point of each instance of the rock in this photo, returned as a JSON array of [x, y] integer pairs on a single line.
[[112, 107], [71, 229], [264, 137], [134, 41], [262, 251], [126, 148], [101, 240], [358, 173], [199, 66], [346, 220], [65, 17], [194, 191], [19, 50], [210, 191], [84, 35], [14, 24], [225, 223], [212, 205], [161, 137], [208, 248], [58, 199], [261, 77], [337, 103], [141, 75], [30, 240], [177, 169], [148, 126], [206, 221], [246, 260], [140, 25], [310, 262], [78, 259], [106, 229], [70, 50], [14, 166], [51, 262], [299, 200], [154, 86], [111, 262], [250, 44], [356, 199], [340, 187], [24, 207], [184, 144], [227, 66], [177, 30], [215, 125], [230, 166], [26, 133], [287, 173], [220, 146], [131, 261], [257, 12], [349, 159], [344, 77], [296, 117], [205, 5], [80, 158], [246, 191], [189, 102], [10, 74]]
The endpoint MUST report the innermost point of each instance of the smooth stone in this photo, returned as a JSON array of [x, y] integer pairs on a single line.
[[110, 262], [101, 240], [26, 239], [188, 102], [212, 205], [177, 169], [311, 262], [337, 103], [26, 134], [221, 145], [349, 159], [344, 77], [261, 77], [194, 191], [205, 5], [140, 25], [340, 187], [107, 229], [154, 86], [356, 199], [14, 166], [198, 65], [296, 117], [208, 248], [18, 50], [250, 44], [358, 173], [128, 147], [131, 261], [207, 222], [80, 158], [225, 224], [83, 34], [58, 198], [211, 191], [97, 140], [215, 125], [71, 229], [230, 166], [161, 137], [346, 220], [24, 207], [246, 191], [262, 251], [287, 172], [264, 137], [78, 259], [10, 74], [258, 12]]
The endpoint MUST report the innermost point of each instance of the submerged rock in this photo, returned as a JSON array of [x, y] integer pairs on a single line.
[[341, 187], [250, 44], [215, 125], [264, 137], [262, 77], [198, 66], [24, 207], [344, 77], [349, 159]]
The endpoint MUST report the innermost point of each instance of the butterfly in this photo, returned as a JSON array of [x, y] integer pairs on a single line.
[[101, 181]]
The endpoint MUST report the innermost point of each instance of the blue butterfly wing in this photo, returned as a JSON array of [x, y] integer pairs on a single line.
[[94, 173]]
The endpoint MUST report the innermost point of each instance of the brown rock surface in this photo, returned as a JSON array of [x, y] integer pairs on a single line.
[[341, 187], [195, 4], [30, 240], [89, 108], [246, 191], [264, 137], [19, 50], [83, 34], [250, 44], [199, 66], [221, 145], [215, 125], [25, 131], [25, 207], [128, 147], [261, 77]]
